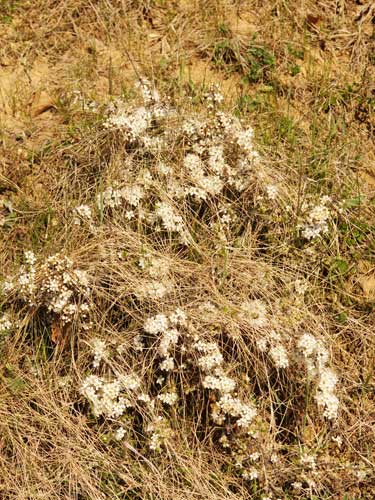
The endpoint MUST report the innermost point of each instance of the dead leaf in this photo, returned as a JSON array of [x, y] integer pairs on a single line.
[[56, 332], [5, 61], [312, 19], [367, 284], [41, 103]]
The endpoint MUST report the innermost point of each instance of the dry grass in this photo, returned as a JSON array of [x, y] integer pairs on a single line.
[[300, 73]]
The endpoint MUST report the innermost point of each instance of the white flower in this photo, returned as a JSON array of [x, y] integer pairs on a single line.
[[6, 325], [168, 398], [168, 340], [212, 358], [337, 440], [138, 343], [308, 460], [300, 286], [144, 398], [156, 324], [279, 356], [297, 485], [111, 198], [30, 258], [253, 474], [163, 169], [236, 408], [82, 212], [156, 289], [317, 220], [120, 433], [131, 382], [272, 191], [325, 396], [132, 194], [308, 344], [178, 317], [167, 364], [274, 458], [99, 351], [104, 396], [221, 383], [254, 312], [134, 123], [170, 221]]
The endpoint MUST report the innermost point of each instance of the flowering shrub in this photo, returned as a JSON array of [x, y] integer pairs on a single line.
[[189, 327]]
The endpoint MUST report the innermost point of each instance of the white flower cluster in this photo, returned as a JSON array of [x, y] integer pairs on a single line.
[[64, 290], [170, 220], [272, 342], [110, 198], [99, 350], [6, 324], [155, 267], [213, 96], [316, 358], [212, 357], [227, 404], [205, 184], [156, 324], [314, 352], [149, 93], [130, 381], [106, 396], [326, 396], [160, 431], [245, 139], [82, 213], [133, 123], [250, 475], [208, 165], [168, 398], [317, 220], [136, 123], [120, 433], [158, 269], [155, 289], [301, 286], [166, 326], [254, 312], [26, 284], [219, 382], [138, 343], [279, 356], [114, 198], [220, 154], [61, 287], [272, 191], [160, 285]]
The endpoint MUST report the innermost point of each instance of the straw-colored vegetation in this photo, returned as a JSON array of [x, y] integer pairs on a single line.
[[187, 250]]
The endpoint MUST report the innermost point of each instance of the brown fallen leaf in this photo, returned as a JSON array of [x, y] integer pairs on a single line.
[[41, 103], [5, 61], [313, 20], [56, 332], [367, 284]]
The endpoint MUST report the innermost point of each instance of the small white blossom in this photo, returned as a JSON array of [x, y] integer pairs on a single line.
[[272, 191], [120, 434], [168, 398], [279, 356], [99, 351]]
